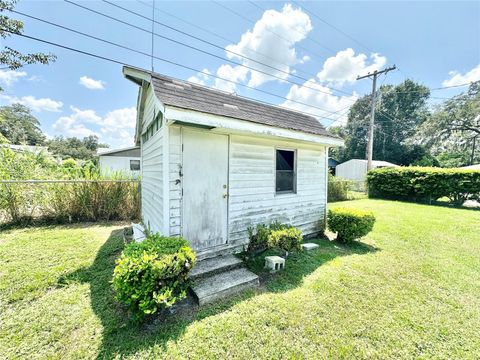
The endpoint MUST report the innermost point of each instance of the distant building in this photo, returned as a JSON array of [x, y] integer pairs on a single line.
[[332, 164], [126, 160], [26, 148], [356, 169]]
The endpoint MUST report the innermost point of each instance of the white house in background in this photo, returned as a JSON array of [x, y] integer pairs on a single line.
[[214, 163], [126, 160], [356, 169], [35, 149]]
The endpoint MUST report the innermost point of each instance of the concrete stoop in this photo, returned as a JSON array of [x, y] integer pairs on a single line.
[[219, 277]]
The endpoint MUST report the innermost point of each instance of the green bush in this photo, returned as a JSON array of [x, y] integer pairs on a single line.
[[153, 274], [261, 238], [350, 224], [337, 189], [424, 184], [287, 239]]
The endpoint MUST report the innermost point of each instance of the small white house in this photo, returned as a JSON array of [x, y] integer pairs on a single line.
[[214, 163], [125, 160], [356, 169]]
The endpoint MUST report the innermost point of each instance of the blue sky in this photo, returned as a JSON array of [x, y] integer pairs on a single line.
[[435, 43]]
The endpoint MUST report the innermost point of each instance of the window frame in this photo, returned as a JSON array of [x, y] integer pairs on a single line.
[[295, 154], [139, 165]]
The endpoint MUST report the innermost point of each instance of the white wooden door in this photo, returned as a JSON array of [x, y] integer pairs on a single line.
[[205, 188]]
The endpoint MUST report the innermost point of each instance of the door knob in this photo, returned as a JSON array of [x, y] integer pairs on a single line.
[[225, 195]]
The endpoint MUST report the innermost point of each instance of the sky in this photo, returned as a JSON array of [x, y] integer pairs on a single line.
[[307, 53]]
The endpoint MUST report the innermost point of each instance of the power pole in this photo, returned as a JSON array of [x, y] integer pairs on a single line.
[[372, 112]]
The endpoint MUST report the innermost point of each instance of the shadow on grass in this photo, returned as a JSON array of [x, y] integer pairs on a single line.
[[301, 264], [121, 336]]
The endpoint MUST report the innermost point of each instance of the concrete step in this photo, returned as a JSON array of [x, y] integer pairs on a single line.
[[211, 266], [217, 286]]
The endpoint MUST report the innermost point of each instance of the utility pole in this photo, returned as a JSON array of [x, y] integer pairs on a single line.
[[472, 157], [372, 112]]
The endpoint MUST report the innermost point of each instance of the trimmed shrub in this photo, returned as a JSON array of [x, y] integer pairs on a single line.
[[424, 184], [350, 224], [287, 239], [337, 189], [152, 275]]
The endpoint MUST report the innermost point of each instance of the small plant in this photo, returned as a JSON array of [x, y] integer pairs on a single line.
[[276, 234], [287, 239], [153, 274], [350, 224]]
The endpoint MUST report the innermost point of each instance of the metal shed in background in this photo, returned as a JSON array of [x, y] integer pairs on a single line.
[[356, 169]]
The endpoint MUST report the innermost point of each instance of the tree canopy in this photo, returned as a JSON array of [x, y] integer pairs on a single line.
[[72, 147], [19, 126], [10, 57], [399, 112]]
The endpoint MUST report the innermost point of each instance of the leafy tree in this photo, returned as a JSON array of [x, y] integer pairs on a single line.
[[453, 130], [80, 149], [399, 111], [10, 57], [19, 126]]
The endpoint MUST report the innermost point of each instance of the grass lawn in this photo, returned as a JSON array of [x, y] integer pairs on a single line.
[[411, 289]]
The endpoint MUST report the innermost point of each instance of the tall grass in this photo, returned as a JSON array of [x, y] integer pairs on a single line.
[[68, 193]]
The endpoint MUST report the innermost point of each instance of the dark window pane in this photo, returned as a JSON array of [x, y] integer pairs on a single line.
[[285, 180], [134, 165], [285, 171], [285, 160]]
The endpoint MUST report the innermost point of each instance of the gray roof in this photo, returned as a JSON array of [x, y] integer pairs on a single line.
[[200, 98]]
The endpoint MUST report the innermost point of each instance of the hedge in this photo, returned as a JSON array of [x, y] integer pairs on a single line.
[[424, 184]]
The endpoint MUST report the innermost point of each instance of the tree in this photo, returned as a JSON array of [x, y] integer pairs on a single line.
[[400, 110], [80, 149], [453, 130], [12, 58], [19, 126]]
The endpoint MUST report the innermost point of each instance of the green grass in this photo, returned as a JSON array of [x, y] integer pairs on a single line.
[[410, 289]]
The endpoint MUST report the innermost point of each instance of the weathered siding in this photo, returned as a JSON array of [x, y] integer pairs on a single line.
[[252, 187], [175, 185], [152, 169]]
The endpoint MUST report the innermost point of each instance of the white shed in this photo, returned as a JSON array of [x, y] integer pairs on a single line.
[[125, 160], [356, 169], [214, 163]]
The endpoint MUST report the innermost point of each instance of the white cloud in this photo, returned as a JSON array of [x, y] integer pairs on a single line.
[[236, 74], [345, 66], [200, 78], [314, 94], [272, 42], [42, 104], [116, 126], [92, 84], [457, 78], [9, 77]]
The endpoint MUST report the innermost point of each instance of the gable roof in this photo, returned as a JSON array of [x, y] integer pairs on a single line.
[[131, 151], [189, 96]]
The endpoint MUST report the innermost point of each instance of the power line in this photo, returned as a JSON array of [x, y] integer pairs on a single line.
[[333, 26], [223, 37], [216, 46], [166, 61], [292, 28]]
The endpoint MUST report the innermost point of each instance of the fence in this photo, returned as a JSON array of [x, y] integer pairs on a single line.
[[22, 201]]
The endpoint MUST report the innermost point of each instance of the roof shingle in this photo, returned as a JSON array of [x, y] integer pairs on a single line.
[[199, 98]]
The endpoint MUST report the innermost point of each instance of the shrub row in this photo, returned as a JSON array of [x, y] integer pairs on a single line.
[[152, 275], [424, 184]]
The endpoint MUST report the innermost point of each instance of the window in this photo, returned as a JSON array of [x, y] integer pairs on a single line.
[[134, 165], [285, 178], [153, 127]]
